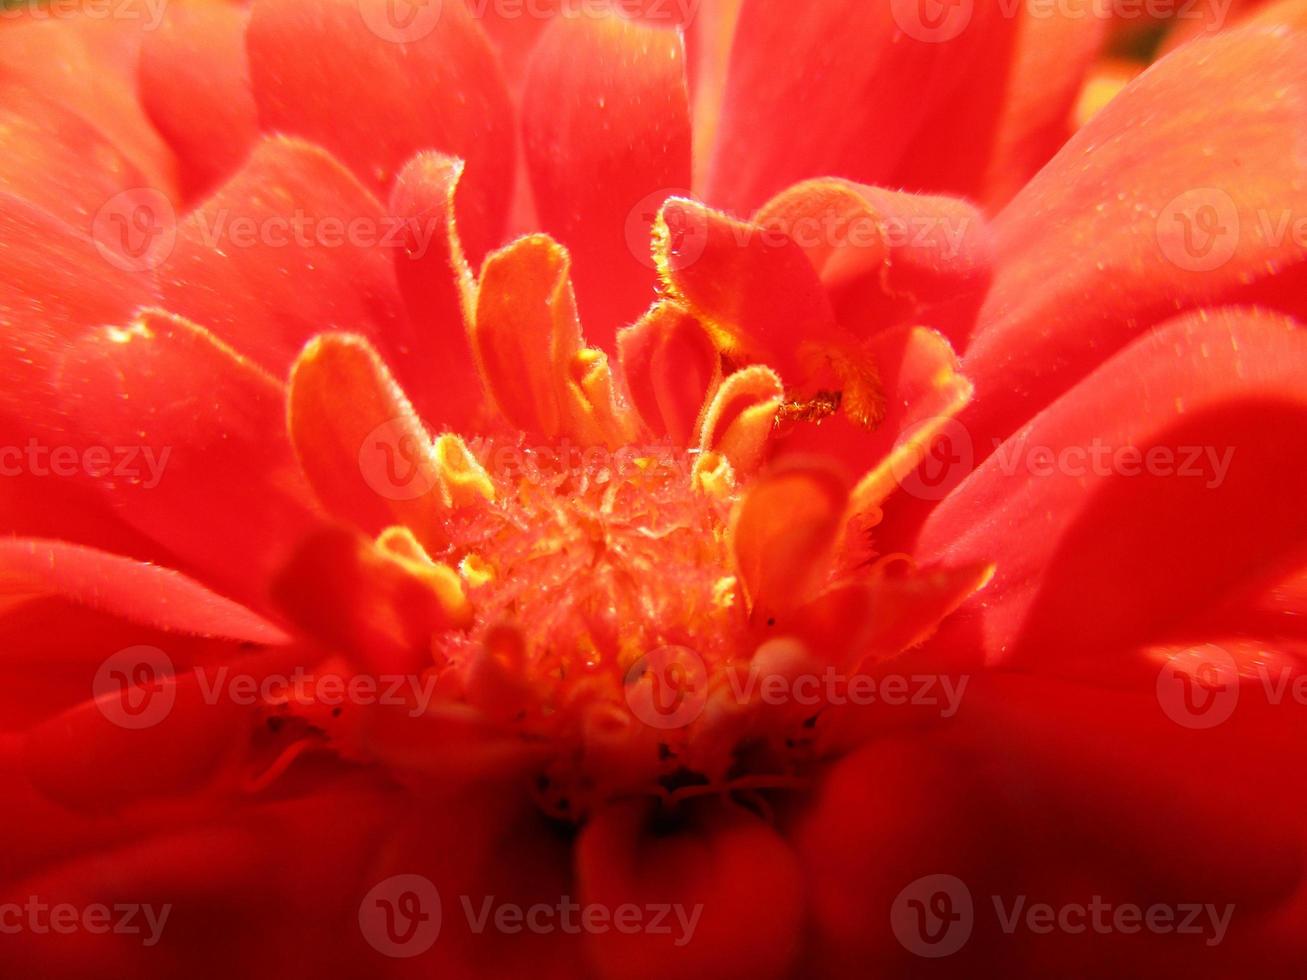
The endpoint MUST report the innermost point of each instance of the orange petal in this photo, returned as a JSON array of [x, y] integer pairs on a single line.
[[526, 332], [466, 482], [671, 369], [783, 533], [924, 389], [369, 601], [594, 414], [364, 451], [740, 420]]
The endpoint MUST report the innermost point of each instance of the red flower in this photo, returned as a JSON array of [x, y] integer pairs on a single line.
[[466, 519]]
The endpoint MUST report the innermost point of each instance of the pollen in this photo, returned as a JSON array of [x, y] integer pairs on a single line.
[[593, 556]]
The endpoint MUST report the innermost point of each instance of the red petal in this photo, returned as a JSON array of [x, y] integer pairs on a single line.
[[290, 246], [195, 85], [55, 647], [436, 283], [209, 877], [90, 757], [56, 56], [752, 287], [896, 77], [56, 283], [155, 597], [903, 791], [727, 869], [432, 82], [923, 391], [228, 497], [1167, 200], [57, 160], [1145, 814], [1101, 553], [887, 257], [1054, 52], [607, 129]]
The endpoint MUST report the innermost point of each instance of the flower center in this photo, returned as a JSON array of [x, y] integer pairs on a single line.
[[598, 558], [608, 620]]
